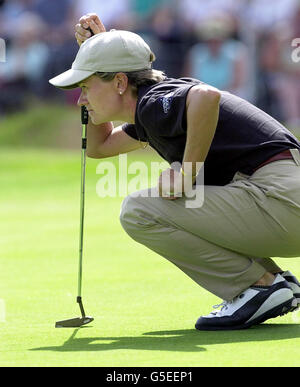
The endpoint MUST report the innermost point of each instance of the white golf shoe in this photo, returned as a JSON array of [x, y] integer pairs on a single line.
[[293, 284], [254, 306]]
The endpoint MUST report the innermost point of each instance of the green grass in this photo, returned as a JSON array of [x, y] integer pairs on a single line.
[[41, 125], [144, 307]]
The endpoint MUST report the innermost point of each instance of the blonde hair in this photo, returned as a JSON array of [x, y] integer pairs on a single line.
[[136, 78]]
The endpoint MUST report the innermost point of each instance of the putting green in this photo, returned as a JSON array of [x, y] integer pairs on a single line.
[[144, 307]]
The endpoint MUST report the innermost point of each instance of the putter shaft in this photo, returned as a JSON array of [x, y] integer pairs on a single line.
[[82, 201], [78, 322]]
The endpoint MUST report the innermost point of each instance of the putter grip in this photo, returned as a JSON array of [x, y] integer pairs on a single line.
[[84, 115], [84, 112], [92, 33]]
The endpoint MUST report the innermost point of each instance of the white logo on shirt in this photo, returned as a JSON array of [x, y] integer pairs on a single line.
[[166, 102]]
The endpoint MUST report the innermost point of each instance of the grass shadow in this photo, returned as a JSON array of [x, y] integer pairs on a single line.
[[186, 340], [262, 332]]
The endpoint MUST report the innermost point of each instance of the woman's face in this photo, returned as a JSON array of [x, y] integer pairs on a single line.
[[101, 99]]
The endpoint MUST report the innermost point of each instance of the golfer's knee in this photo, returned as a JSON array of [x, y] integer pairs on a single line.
[[125, 211], [134, 217]]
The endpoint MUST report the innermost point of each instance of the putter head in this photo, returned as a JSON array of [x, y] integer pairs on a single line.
[[74, 322]]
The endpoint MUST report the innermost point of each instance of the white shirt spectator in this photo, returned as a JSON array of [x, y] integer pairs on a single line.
[[262, 15], [194, 11], [108, 10]]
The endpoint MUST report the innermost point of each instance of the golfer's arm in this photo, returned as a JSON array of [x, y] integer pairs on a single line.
[[105, 141], [202, 118]]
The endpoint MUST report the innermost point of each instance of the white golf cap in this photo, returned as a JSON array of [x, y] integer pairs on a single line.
[[113, 51]]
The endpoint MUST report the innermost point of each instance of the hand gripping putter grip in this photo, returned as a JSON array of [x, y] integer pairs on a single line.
[[83, 320]]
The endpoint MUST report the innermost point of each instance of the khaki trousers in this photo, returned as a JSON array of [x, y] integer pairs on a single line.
[[226, 245]]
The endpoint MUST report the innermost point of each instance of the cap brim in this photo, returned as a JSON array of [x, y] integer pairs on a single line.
[[70, 78]]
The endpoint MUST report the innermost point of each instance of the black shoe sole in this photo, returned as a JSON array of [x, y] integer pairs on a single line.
[[279, 310]]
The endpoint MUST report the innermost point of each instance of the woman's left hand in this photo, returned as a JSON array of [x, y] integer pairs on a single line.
[[170, 184]]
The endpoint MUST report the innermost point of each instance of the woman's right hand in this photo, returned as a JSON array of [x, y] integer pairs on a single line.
[[92, 21]]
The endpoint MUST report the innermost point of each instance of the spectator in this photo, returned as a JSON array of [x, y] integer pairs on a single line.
[[142, 11], [195, 11], [113, 12], [218, 59], [169, 39], [26, 59], [262, 15], [11, 11], [55, 13], [59, 16], [280, 74]]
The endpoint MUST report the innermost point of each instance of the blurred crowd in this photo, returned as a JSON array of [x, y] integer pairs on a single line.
[[243, 46]]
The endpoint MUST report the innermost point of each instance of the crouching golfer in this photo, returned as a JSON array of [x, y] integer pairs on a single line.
[[251, 206]]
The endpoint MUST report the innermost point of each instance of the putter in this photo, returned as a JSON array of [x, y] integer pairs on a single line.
[[83, 320]]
